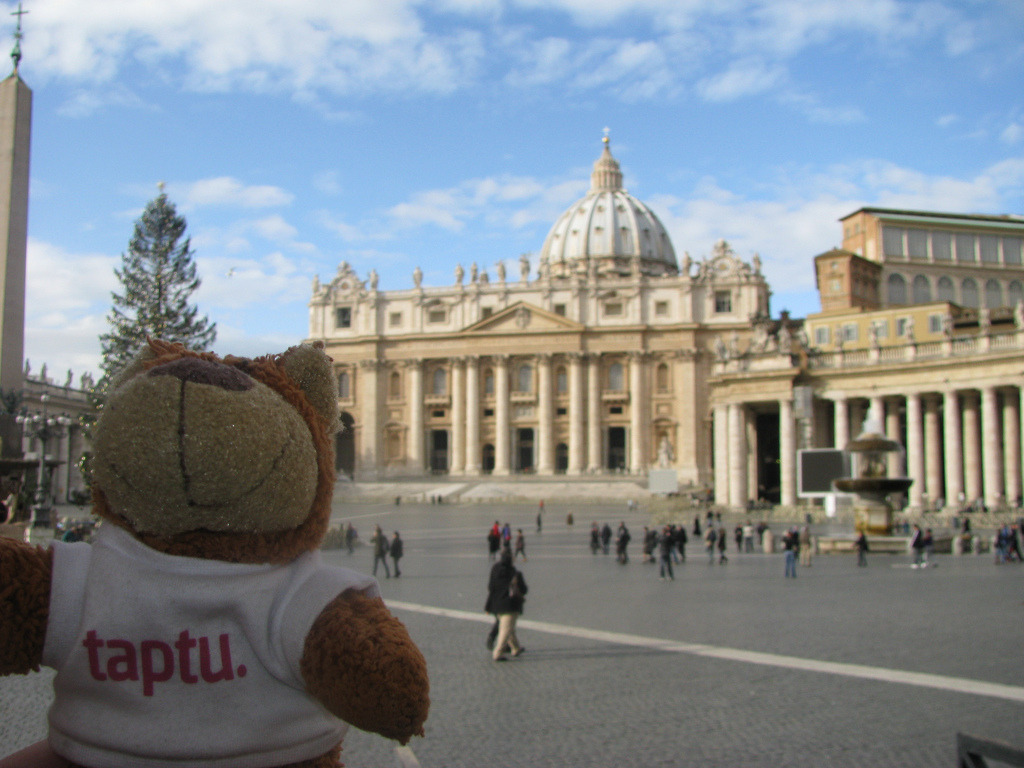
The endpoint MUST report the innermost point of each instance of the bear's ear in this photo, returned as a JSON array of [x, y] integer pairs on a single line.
[[151, 350], [310, 368]]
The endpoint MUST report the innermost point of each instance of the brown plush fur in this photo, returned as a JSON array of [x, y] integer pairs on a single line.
[[358, 660]]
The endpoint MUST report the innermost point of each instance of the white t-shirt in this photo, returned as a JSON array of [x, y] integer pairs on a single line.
[[165, 660]]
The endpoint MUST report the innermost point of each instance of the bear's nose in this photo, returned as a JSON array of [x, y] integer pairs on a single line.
[[194, 370]]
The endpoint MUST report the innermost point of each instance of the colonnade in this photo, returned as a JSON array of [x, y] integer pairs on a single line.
[[485, 404], [961, 445]]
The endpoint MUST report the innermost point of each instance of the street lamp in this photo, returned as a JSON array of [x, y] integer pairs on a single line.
[[43, 427]]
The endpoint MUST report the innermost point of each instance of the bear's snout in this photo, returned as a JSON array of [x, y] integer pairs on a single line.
[[195, 370]]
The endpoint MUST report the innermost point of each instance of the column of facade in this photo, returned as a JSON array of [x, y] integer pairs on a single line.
[[737, 455], [545, 417], [594, 461], [502, 445], [915, 452], [972, 447], [876, 410], [1011, 444], [932, 450], [721, 448], [458, 464], [991, 447], [842, 425], [954, 447], [857, 410], [577, 446], [637, 414], [897, 461], [370, 429], [787, 452], [473, 416], [414, 445]]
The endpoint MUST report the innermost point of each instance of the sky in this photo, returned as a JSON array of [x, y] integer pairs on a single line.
[[395, 134]]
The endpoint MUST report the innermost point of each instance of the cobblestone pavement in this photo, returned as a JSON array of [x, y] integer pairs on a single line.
[[574, 699]]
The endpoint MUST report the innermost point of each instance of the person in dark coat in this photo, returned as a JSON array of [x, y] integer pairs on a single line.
[[606, 537], [493, 541], [380, 551], [397, 550], [506, 594], [862, 549]]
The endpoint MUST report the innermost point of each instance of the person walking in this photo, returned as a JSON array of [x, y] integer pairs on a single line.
[[666, 546], [791, 548], [681, 539], [595, 538], [805, 546], [493, 541], [722, 544], [380, 551], [506, 595], [917, 546], [710, 536], [540, 515], [397, 549], [862, 549], [606, 537], [621, 543], [520, 547]]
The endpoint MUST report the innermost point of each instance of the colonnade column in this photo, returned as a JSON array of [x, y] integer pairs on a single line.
[[1011, 443], [473, 416], [932, 449], [991, 460], [594, 414], [842, 422], [577, 459], [370, 431], [721, 448], [787, 452], [897, 462], [416, 436], [458, 464], [737, 455], [637, 414], [545, 420], [501, 415], [954, 447], [915, 456], [972, 447]]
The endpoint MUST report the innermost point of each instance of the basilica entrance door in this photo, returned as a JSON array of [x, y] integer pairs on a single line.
[[439, 451], [616, 458], [524, 450]]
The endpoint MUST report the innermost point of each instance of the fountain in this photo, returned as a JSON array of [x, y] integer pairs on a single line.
[[871, 484]]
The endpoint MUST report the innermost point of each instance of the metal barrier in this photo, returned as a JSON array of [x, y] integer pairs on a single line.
[[972, 752]]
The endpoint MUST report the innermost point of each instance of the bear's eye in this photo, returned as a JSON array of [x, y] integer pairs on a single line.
[[197, 371]]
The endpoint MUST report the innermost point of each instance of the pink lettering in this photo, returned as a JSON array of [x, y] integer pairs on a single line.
[[93, 644], [226, 672], [185, 644], [123, 666], [149, 673]]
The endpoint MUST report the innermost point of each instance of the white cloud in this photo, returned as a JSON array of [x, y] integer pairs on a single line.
[[225, 190], [743, 78], [1012, 133]]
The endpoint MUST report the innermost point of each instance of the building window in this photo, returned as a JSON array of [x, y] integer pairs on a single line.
[[524, 379], [343, 317], [561, 380], [395, 319], [944, 290], [394, 445], [882, 329], [661, 309], [560, 309], [344, 385], [613, 309], [561, 411], [486, 312], [395, 385], [661, 378], [934, 323], [1016, 293], [835, 285], [902, 324], [488, 381], [615, 410], [988, 246], [892, 241], [615, 379], [723, 301], [965, 248], [1012, 250], [922, 290], [993, 294], [942, 246], [437, 414], [821, 336], [917, 243], [488, 412], [850, 332], [969, 293], [436, 316], [439, 382], [897, 289]]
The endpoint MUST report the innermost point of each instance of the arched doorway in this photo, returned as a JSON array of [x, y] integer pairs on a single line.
[[561, 458], [524, 450], [616, 458], [487, 458], [345, 447]]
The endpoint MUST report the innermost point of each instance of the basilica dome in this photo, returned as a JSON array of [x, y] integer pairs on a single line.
[[609, 231]]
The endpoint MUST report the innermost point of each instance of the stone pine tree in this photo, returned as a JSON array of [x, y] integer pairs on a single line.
[[158, 278]]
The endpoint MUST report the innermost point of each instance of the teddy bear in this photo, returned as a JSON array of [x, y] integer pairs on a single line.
[[200, 627]]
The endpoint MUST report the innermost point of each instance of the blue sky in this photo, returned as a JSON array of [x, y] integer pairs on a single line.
[[401, 133]]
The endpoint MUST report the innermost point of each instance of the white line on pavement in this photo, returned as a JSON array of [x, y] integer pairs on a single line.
[[862, 671]]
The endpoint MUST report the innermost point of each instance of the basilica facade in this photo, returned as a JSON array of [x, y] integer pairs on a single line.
[[615, 356]]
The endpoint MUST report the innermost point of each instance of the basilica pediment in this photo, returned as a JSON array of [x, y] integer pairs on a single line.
[[522, 317]]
